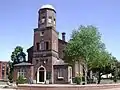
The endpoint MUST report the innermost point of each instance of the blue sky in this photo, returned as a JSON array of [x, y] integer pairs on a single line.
[[18, 18]]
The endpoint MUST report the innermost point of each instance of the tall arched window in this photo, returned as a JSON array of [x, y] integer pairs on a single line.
[[42, 46], [54, 22], [43, 20]]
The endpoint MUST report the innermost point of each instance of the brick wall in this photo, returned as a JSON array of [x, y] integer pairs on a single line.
[[65, 74], [3, 70], [28, 72], [61, 46]]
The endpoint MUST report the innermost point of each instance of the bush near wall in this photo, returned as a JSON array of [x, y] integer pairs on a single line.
[[21, 80], [78, 79], [10, 77]]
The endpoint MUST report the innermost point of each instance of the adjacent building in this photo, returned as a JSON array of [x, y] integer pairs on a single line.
[[3, 70]]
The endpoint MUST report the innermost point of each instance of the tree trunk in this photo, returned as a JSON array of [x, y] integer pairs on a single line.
[[85, 77], [115, 75], [85, 68], [79, 70], [99, 77]]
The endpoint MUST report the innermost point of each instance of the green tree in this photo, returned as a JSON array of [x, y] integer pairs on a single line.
[[83, 45], [15, 59]]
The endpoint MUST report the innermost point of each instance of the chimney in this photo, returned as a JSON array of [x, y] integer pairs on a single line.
[[63, 36]]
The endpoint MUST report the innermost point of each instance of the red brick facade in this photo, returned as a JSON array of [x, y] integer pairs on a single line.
[[46, 56]]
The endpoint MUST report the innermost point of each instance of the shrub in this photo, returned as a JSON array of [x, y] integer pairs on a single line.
[[83, 78], [77, 80], [10, 77], [21, 80], [115, 79]]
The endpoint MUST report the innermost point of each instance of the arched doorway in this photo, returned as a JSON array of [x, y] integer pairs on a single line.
[[41, 75]]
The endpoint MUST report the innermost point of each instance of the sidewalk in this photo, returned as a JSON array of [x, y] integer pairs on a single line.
[[6, 89], [112, 89]]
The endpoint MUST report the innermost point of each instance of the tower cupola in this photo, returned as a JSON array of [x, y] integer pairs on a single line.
[[47, 16], [48, 6]]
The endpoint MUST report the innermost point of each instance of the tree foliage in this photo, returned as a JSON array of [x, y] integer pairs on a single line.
[[101, 64], [101, 60], [17, 51], [84, 43]]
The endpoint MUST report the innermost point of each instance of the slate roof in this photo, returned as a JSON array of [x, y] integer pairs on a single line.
[[23, 64], [60, 62]]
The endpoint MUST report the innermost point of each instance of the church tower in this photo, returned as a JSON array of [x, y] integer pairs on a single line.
[[46, 31], [45, 46]]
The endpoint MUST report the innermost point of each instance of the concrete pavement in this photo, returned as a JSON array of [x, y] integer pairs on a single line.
[[111, 89]]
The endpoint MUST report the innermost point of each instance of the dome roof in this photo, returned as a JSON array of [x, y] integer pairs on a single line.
[[47, 6]]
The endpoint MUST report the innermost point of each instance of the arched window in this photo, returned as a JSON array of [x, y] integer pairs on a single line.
[[54, 22], [43, 20], [50, 20], [41, 69], [41, 75], [42, 46], [42, 33]]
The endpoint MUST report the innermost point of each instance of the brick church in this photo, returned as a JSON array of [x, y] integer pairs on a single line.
[[46, 56]]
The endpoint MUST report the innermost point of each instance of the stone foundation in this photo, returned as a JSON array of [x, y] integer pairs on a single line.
[[67, 87]]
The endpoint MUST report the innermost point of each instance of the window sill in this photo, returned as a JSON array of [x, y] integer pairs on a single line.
[[60, 78]]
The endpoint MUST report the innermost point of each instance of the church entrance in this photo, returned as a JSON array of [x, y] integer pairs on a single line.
[[41, 75]]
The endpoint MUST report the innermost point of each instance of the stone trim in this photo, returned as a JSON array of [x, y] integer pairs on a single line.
[[37, 55]]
